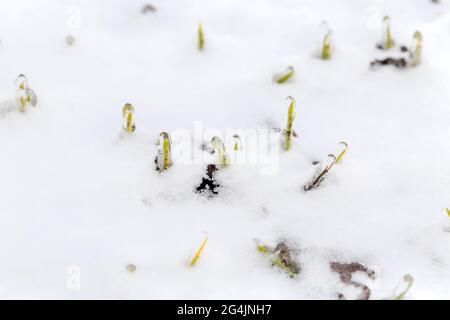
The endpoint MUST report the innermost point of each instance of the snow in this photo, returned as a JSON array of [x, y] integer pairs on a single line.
[[80, 199]]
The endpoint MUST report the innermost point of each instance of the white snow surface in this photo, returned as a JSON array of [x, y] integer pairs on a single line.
[[76, 193]]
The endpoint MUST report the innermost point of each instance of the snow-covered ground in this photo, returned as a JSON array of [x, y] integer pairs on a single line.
[[80, 199]]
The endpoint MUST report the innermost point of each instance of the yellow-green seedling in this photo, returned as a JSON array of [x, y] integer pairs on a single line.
[[447, 210], [344, 146], [22, 82], [163, 159], [284, 76], [201, 38], [237, 143], [199, 251], [407, 284], [290, 120], [387, 42], [24, 95], [128, 118], [416, 50], [323, 169], [325, 39], [219, 149], [280, 257]]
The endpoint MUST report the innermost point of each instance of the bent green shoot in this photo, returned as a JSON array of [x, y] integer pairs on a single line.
[[407, 282], [219, 149], [199, 251], [237, 143], [24, 95], [342, 153], [128, 118], [285, 75]]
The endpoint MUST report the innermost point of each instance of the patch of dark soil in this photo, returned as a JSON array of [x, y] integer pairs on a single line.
[[209, 185], [396, 62], [346, 270]]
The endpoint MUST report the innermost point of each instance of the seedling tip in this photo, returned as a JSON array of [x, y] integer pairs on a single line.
[[408, 282], [284, 76], [237, 143], [325, 40], [199, 251], [128, 118], [342, 153], [219, 149], [164, 157], [290, 121]]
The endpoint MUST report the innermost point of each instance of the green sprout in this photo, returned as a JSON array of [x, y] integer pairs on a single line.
[[326, 41], [24, 95], [201, 39], [128, 118], [219, 149], [280, 257], [164, 157], [408, 282], [290, 121], [237, 143], [387, 37], [342, 153], [199, 251], [285, 75], [416, 51]]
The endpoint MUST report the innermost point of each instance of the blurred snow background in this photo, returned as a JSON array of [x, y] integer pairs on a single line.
[[78, 199]]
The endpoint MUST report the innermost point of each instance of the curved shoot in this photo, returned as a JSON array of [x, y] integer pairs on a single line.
[[325, 53], [128, 117], [24, 94], [342, 153], [164, 157], [199, 252], [290, 121], [416, 51], [448, 211], [284, 76], [407, 282], [237, 143], [22, 82], [219, 149]]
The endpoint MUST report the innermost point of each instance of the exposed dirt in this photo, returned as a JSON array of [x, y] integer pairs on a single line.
[[209, 185], [396, 62], [346, 271]]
